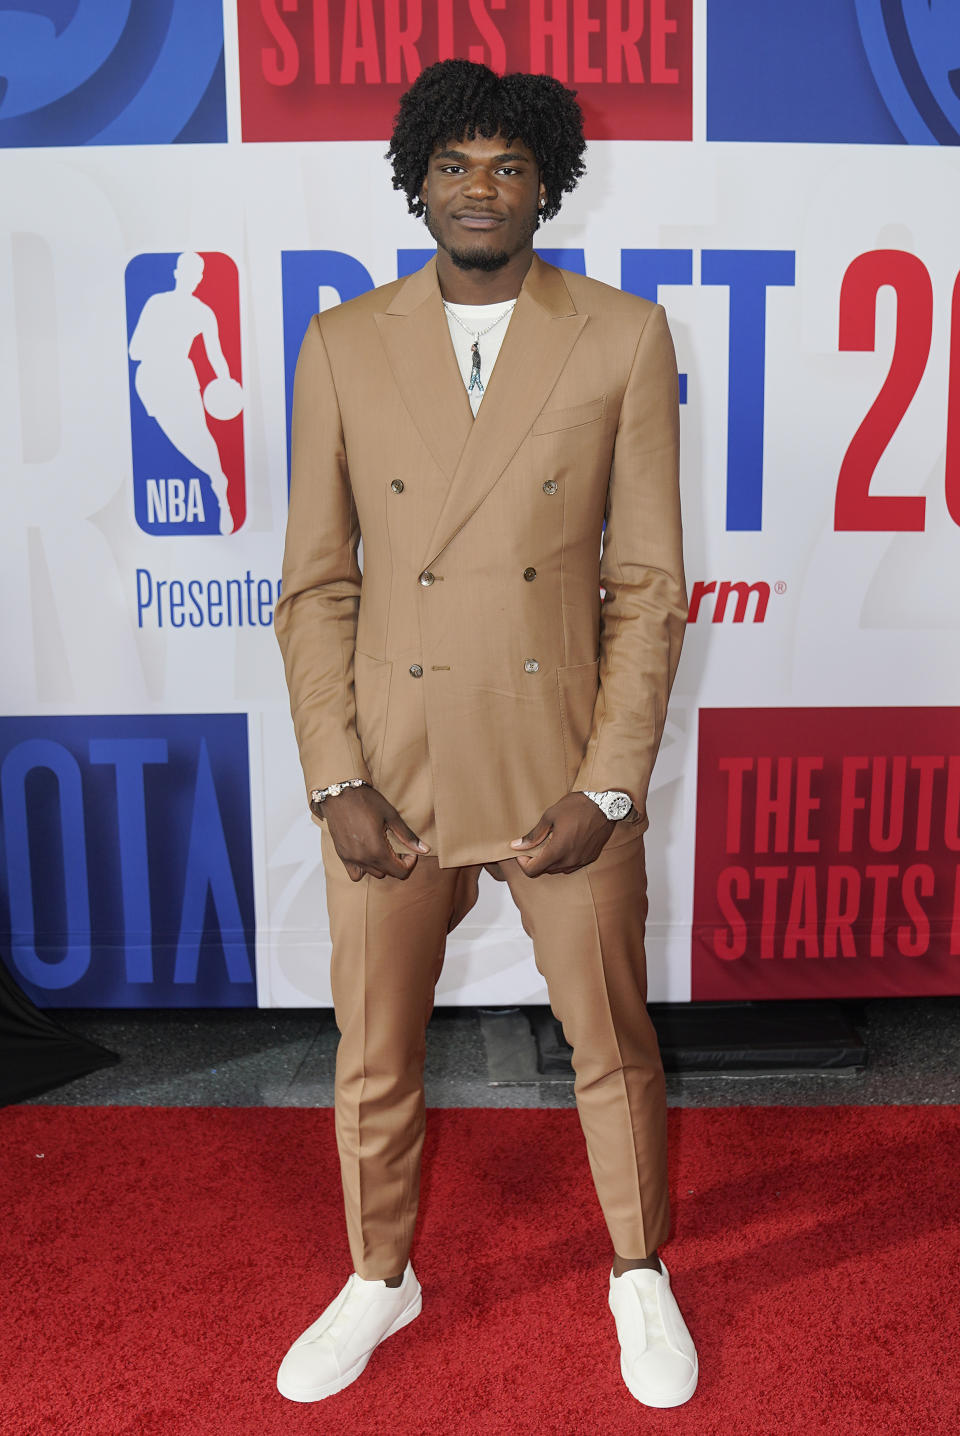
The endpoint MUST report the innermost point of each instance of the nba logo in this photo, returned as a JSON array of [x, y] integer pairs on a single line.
[[186, 399]]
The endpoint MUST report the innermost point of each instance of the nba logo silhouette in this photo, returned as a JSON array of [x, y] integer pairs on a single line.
[[186, 398]]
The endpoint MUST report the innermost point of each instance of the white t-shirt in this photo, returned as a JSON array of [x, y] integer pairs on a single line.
[[477, 317]]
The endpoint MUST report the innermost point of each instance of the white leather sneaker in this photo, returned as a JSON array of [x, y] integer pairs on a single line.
[[335, 1349], [658, 1359]]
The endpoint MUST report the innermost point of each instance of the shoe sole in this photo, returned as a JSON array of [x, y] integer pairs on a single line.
[[648, 1400], [320, 1393]]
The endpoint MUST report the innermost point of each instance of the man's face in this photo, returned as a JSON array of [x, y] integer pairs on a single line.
[[482, 199]]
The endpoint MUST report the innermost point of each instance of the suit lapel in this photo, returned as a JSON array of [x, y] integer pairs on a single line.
[[543, 330], [415, 335]]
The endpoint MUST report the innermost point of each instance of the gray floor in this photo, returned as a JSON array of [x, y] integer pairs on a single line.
[[474, 1059]]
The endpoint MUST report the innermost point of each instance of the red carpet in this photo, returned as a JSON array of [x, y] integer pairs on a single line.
[[157, 1262]]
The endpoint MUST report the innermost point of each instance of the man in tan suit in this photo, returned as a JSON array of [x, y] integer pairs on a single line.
[[467, 703]]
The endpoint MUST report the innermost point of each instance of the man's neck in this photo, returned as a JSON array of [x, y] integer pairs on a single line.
[[478, 286]]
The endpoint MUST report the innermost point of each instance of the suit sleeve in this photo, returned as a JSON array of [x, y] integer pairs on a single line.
[[644, 612], [316, 615]]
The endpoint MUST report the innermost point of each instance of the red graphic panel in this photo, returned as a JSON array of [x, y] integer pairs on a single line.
[[220, 288], [828, 853], [335, 69]]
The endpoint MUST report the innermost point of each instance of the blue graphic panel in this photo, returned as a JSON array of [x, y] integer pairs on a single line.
[[126, 871], [304, 272], [748, 274], [840, 71], [111, 72]]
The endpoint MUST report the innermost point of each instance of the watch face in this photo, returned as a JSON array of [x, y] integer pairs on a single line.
[[617, 806]]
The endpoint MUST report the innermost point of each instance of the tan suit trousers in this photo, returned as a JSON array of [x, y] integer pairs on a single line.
[[388, 944]]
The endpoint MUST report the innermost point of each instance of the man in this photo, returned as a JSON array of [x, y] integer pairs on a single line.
[[466, 705]]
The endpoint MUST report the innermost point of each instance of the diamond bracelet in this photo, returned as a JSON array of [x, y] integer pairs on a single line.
[[317, 795]]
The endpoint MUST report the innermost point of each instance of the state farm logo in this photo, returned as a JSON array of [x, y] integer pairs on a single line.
[[733, 601], [335, 69]]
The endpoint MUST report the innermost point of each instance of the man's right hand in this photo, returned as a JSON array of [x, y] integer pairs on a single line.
[[359, 821]]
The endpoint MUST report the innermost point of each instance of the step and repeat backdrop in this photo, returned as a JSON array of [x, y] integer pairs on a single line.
[[184, 182]]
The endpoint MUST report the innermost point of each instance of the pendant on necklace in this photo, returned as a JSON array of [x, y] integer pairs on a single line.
[[475, 381]]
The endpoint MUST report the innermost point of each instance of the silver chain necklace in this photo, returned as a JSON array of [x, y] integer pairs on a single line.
[[475, 380]]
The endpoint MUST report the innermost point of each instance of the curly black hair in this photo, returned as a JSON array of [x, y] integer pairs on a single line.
[[458, 100]]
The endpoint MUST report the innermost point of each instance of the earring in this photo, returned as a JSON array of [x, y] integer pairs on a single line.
[[543, 204]]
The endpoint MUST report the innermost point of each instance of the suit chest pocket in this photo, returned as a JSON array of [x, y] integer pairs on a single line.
[[551, 420]]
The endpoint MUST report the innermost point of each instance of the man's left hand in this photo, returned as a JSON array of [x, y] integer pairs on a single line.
[[570, 835]]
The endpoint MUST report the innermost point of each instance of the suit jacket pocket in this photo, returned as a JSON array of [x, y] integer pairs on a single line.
[[579, 686], [371, 678], [569, 418]]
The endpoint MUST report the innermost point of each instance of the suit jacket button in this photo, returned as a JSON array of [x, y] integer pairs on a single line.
[[426, 578], [397, 486], [530, 665], [551, 486], [415, 670], [529, 574]]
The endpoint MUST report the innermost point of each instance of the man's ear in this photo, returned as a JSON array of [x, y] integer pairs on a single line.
[[423, 191]]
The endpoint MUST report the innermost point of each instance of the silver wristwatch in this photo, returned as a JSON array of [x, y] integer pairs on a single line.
[[319, 795], [612, 804]]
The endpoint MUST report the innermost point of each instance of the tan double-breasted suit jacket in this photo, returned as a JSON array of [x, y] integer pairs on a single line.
[[462, 661]]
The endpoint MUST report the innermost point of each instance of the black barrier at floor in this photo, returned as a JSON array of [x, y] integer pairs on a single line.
[[526, 1046], [770, 1036], [36, 1053]]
